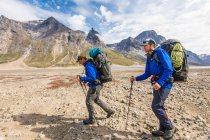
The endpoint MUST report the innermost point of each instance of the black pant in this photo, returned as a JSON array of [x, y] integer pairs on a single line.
[[159, 97]]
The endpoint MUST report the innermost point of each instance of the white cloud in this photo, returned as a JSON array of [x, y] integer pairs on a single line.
[[123, 5], [187, 21], [20, 11], [77, 22], [17, 10], [83, 7], [103, 1], [105, 13]]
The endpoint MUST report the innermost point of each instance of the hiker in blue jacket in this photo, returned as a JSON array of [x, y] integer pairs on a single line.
[[162, 82], [92, 78]]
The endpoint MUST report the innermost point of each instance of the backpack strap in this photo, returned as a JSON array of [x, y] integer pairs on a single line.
[[99, 60], [89, 60], [155, 56]]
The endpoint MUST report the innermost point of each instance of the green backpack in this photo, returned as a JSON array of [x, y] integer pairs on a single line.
[[178, 57]]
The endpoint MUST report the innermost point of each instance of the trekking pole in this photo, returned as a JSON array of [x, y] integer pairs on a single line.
[[129, 103], [81, 84], [83, 88]]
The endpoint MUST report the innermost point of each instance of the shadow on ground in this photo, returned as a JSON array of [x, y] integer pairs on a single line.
[[61, 128]]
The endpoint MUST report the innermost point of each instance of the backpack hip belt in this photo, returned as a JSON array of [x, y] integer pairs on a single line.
[[157, 77]]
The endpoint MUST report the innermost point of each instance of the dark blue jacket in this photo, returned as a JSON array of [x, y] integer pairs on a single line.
[[91, 73], [163, 69]]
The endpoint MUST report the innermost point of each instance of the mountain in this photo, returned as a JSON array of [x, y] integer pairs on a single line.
[[205, 58], [131, 47], [44, 43], [194, 59], [150, 34], [47, 27], [93, 39]]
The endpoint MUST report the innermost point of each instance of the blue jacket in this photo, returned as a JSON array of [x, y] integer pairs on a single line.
[[163, 69], [91, 73]]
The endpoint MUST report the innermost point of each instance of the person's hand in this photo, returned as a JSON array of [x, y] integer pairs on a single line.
[[78, 78], [133, 79], [156, 86]]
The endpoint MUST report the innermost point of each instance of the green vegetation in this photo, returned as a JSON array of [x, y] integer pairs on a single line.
[[26, 42], [61, 56], [9, 57], [15, 49], [118, 58], [39, 60], [42, 57], [113, 56]]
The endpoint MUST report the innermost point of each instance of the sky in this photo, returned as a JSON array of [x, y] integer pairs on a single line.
[[185, 20]]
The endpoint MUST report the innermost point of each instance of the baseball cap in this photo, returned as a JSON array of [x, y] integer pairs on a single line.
[[148, 41], [80, 57]]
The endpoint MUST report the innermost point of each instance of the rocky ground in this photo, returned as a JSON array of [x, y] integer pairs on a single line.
[[40, 104]]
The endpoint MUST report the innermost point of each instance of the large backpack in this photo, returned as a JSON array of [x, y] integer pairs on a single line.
[[102, 64], [178, 57]]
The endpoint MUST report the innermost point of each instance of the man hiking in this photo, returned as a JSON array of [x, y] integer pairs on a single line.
[[162, 82], [93, 94]]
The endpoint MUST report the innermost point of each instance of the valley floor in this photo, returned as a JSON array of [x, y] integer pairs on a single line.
[[49, 104]]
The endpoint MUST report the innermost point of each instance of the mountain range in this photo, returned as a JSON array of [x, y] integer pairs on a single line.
[[131, 46], [44, 43]]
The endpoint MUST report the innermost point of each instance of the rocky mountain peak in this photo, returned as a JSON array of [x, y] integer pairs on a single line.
[[93, 31], [5, 20], [93, 38], [130, 39], [205, 58], [50, 26], [52, 23], [126, 45], [8, 25], [51, 19], [150, 34], [3, 17], [92, 35]]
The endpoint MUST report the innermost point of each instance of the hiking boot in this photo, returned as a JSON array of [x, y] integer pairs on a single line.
[[158, 133], [110, 114], [89, 121], [168, 134]]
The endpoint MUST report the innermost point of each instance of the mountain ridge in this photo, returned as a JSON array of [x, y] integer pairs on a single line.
[[50, 43], [46, 42], [127, 48]]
